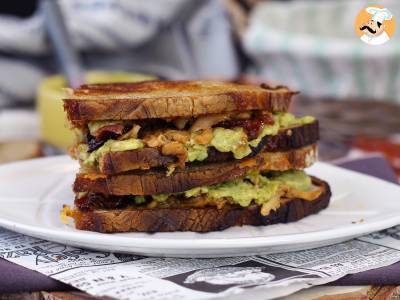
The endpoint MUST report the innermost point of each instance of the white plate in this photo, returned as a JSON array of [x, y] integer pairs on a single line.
[[33, 192]]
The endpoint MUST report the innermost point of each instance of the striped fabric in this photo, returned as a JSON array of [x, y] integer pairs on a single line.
[[312, 47], [93, 24]]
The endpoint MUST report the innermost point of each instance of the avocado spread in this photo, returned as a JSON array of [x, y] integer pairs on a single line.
[[196, 151], [294, 179], [256, 187], [231, 140]]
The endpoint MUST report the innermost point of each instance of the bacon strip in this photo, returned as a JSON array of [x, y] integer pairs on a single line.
[[101, 135], [251, 127], [107, 130]]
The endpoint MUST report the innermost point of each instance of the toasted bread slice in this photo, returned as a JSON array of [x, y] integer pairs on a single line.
[[202, 219], [170, 99], [154, 182], [146, 158]]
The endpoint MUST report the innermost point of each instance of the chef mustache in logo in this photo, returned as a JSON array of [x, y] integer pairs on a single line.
[[369, 28]]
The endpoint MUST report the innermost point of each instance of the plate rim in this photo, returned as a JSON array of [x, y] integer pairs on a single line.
[[200, 244]]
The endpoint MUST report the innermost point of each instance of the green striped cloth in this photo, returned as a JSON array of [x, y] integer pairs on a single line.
[[312, 46]]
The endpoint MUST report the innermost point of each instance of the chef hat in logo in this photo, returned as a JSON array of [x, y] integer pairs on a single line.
[[379, 14]]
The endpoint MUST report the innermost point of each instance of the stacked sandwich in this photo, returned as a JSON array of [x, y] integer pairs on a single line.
[[190, 156]]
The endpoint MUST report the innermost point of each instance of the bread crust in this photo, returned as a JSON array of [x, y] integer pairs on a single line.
[[199, 219], [154, 182], [146, 158], [170, 99]]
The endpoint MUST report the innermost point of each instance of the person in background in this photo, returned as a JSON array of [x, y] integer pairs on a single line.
[[172, 39]]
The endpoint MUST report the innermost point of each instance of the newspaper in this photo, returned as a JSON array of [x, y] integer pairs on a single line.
[[270, 276]]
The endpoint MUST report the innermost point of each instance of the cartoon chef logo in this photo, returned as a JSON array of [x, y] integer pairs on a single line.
[[375, 25]]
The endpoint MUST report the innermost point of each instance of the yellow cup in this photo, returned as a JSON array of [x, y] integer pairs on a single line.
[[54, 125]]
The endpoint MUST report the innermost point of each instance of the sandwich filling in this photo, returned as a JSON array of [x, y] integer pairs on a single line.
[[187, 139], [263, 189]]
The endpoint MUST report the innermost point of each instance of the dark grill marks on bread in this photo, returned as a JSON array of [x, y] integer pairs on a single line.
[[170, 99], [93, 201]]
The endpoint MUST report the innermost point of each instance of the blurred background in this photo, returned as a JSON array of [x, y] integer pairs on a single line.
[[310, 46]]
